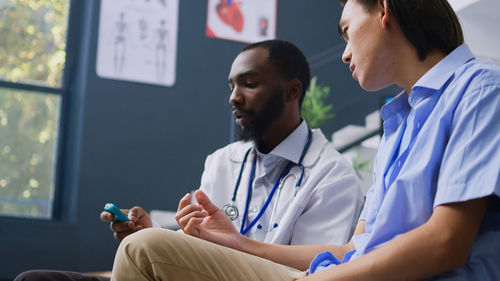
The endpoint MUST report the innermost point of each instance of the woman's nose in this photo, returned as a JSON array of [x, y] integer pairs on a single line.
[[347, 55]]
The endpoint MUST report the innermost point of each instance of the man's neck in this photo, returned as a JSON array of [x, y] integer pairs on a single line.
[[275, 134], [415, 70]]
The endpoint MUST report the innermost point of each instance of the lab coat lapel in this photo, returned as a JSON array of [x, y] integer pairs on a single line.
[[318, 142]]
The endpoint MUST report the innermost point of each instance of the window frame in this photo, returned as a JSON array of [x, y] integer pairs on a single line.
[[63, 91]]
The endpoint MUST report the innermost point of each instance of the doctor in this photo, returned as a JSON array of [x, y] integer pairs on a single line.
[[316, 198], [279, 159], [313, 195]]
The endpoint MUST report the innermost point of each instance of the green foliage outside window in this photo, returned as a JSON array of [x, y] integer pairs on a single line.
[[28, 136], [32, 51], [33, 40], [314, 108]]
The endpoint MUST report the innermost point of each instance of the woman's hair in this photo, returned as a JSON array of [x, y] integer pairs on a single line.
[[427, 24]]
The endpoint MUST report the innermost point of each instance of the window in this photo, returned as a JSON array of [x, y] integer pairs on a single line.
[[32, 61]]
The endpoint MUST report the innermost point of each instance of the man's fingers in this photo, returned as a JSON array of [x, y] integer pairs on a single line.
[[183, 221], [135, 213], [184, 201], [192, 227], [106, 216], [186, 210], [205, 202], [122, 226]]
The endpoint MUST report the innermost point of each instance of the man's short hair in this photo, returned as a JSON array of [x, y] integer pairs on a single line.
[[427, 24], [290, 61]]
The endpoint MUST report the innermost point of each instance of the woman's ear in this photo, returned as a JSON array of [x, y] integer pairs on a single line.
[[385, 15]]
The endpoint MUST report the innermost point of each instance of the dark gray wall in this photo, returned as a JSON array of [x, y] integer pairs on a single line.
[[138, 144]]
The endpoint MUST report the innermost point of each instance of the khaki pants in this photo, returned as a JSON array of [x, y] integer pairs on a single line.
[[160, 254]]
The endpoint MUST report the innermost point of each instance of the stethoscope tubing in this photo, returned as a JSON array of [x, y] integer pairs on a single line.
[[231, 208], [278, 194], [244, 229]]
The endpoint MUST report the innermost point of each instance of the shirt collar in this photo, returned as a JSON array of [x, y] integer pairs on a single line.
[[395, 111], [291, 147], [395, 107], [439, 74]]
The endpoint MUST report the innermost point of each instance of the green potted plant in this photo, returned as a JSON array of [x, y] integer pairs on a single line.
[[314, 109]]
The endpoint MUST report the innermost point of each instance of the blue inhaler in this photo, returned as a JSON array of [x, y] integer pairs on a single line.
[[117, 213]]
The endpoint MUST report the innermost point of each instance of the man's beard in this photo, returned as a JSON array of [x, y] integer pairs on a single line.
[[271, 111]]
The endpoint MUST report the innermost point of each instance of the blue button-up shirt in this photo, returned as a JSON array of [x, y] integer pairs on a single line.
[[453, 155]]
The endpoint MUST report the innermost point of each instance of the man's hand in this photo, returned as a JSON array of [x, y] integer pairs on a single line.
[[139, 219], [207, 221]]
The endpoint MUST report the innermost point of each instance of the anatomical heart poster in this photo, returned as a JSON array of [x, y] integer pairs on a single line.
[[242, 20]]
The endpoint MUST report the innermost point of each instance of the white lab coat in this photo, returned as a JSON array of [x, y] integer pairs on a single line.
[[324, 210]]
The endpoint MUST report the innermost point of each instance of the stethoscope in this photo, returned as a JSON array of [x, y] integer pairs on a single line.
[[232, 211]]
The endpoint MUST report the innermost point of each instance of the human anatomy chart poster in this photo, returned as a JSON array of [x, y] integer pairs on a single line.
[[138, 41], [242, 20]]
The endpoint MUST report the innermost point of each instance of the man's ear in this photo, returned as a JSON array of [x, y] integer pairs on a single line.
[[384, 14], [294, 90]]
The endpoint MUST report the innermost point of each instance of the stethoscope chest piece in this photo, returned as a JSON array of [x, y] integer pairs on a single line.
[[231, 211]]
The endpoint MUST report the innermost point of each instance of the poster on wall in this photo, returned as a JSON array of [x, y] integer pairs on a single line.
[[245, 21], [137, 41]]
